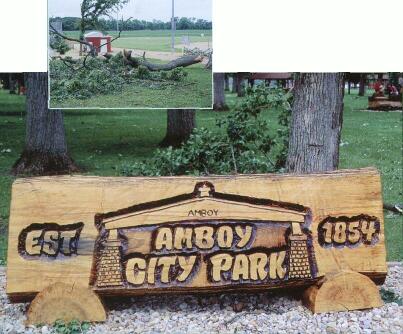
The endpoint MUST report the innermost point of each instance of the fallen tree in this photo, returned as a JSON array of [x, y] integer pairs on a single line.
[[136, 62], [179, 62]]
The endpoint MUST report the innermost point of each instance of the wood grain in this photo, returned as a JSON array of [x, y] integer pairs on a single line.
[[64, 302], [342, 291], [117, 206]]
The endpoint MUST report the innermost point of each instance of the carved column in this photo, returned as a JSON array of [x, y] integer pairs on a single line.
[[109, 270], [299, 266]]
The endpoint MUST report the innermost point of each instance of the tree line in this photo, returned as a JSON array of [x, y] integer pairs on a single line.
[[182, 23]]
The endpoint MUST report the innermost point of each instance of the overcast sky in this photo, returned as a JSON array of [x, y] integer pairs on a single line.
[[141, 9]]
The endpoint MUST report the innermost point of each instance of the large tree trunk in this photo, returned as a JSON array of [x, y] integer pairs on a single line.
[[316, 122], [180, 124], [219, 92], [361, 91], [45, 151]]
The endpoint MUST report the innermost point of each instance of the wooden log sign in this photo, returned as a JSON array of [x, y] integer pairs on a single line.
[[132, 236]]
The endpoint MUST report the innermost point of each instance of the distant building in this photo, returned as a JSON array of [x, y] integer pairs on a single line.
[[283, 79], [99, 40]]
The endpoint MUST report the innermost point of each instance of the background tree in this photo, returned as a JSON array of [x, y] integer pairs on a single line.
[[219, 92], [233, 85], [109, 24], [180, 124], [45, 151], [361, 90], [316, 122], [226, 86], [239, 84], [12, 83], [92, 12]]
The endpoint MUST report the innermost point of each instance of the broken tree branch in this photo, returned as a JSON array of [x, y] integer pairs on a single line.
[[179, 62], [393, 208], [71, 39]]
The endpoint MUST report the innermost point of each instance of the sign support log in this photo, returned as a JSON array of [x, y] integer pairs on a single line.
[[108, 236]]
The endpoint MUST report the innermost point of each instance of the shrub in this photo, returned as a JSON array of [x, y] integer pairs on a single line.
[[59, 44], [244, 144]]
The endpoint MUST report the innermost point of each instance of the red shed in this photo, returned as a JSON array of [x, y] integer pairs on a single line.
[[99, 40]]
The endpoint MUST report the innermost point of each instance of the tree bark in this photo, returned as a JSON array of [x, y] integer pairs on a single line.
[[226, 86], [240, 89], [219, 92], [361, 91], [316, 122], [180, 124], [45, 151], [234, 78]]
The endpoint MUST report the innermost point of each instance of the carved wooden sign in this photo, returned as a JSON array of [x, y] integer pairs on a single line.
[[122, 236], [203, 239]]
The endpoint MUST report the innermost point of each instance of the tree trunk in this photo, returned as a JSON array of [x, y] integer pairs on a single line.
[[349, 87], [234, 78], [361, 91], [240, 89], [45, 151], [180, 125], [12, 84], [226, 85], [316, 122], [219, 92]]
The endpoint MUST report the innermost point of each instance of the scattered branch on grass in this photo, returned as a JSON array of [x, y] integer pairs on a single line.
[[397, 208]]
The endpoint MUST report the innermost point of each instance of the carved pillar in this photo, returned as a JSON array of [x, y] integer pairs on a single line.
[[109, 270], [299, 266]]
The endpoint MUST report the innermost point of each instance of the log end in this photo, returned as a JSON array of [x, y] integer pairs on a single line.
[[65, 302], [342, 291]]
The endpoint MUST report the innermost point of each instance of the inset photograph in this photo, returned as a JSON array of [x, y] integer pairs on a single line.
[[130, 54]]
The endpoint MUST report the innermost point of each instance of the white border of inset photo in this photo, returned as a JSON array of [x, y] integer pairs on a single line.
[[48, 49]]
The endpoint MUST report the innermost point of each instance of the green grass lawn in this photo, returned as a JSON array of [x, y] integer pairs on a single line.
[[154, 40], [194, 91], [100, 141]]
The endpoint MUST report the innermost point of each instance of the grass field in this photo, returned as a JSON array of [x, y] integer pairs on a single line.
[[101, 141], [154, 40]]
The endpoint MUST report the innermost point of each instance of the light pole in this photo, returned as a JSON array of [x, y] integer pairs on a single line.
[[173, 26]]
